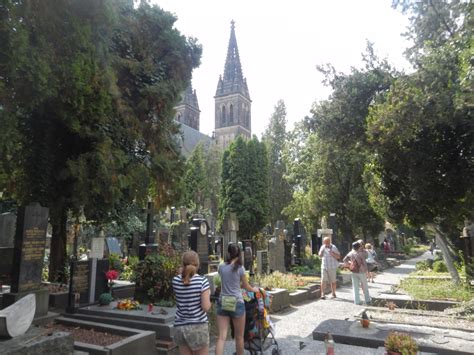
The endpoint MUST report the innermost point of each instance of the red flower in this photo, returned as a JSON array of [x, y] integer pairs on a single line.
[[112, 275]]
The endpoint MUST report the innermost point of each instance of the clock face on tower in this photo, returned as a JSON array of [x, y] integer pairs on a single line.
[[203, 228]]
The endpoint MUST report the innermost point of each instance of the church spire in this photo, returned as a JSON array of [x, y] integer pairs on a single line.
[[233, 68], [233, 80]]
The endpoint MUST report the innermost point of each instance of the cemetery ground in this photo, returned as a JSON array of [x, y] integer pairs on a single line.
[[436, 328]]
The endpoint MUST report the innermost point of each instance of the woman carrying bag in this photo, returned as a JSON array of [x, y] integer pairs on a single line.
[[358, 267], [231, 303]]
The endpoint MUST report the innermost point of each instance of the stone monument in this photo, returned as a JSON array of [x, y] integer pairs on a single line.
[[30, 240], [231, 227], [276, 249]]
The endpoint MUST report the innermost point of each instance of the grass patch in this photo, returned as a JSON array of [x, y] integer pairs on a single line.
[[436, 290]]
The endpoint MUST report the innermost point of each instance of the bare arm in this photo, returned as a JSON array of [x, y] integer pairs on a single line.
[[206, 300], [246, 285], [321, 251]]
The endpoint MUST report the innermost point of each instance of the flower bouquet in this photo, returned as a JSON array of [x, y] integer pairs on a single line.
[[128, 305]]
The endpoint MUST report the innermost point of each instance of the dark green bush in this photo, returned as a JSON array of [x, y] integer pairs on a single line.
[[153, 276], [105, 299]]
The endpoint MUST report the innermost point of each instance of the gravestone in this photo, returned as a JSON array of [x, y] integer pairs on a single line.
[[315, 243], [262, 262], [28, 257], [231, 227], [81, 280], [97, 252], [248, 255], [276, 251], [179, 237], [7, 238], [299, 240], [113, 246], [149, 246], [7, 230], [200, 243]]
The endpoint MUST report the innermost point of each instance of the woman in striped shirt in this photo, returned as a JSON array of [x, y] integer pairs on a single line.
[[191, 327]]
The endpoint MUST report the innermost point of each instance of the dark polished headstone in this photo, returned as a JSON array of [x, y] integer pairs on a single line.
[[30, 240], [146, 249], [7, 229]]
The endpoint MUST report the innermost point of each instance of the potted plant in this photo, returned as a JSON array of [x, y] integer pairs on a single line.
[[400, 343]]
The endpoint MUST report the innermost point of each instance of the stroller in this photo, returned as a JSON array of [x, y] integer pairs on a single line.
[[259, 332]]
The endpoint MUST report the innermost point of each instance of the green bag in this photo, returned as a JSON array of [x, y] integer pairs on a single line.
[[228, 303]]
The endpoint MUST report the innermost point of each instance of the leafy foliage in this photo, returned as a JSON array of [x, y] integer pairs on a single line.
[[244, 188], [87, 94], [274, 139], [153, 276]]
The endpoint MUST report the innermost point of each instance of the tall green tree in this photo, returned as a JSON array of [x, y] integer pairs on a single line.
[[195, 185], [274, 138], [244, 187], [423, 133], [89, 88]]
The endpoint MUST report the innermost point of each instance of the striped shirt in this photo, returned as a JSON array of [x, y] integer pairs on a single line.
[[188, 300]]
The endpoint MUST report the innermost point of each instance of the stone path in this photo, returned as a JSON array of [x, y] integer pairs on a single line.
[[294, 325]]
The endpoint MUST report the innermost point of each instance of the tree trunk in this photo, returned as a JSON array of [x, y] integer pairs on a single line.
[[442, 241], [58, 253]]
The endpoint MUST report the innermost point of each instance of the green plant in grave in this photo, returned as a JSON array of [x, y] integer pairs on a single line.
[[128, 268], [153, 276], [401, 343]]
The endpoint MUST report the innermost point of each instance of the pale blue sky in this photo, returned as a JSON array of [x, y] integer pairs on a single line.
[[280, 43]]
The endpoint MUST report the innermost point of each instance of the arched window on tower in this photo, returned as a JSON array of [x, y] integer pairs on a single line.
[[231, 114], [178, 118], [223, 114]]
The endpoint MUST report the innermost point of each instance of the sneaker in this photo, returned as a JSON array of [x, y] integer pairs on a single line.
[[323, 297]]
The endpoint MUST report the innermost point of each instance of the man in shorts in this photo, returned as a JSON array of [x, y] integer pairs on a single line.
[[329, 263]]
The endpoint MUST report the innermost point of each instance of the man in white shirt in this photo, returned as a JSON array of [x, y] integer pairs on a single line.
[[329, 256]]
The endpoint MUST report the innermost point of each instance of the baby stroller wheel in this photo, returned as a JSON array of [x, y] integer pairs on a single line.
[[276, 352]]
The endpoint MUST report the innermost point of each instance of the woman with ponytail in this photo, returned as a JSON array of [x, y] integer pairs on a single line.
[[192, 294], [231, 303]]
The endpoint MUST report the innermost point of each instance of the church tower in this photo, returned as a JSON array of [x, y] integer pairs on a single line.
[[187, 111], [232, 100]]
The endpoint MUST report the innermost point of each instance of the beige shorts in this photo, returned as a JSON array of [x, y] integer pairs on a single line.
[[194, 336], [328, 275]]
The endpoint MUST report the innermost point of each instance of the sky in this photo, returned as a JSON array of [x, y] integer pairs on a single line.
[[280, 44]]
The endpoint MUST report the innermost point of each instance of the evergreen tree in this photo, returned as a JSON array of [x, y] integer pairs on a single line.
[[89, 87], [275, 138], [244, 186], [195, 186]]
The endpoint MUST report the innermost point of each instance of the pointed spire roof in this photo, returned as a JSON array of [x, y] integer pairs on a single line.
[[189, 97], [233, 80]]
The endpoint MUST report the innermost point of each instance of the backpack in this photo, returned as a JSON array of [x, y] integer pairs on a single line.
[[354, 265]]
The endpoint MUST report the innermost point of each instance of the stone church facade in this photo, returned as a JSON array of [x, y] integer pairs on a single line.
[[232, 103]]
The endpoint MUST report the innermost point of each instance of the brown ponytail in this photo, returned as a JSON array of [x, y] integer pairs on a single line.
[[190, 266]]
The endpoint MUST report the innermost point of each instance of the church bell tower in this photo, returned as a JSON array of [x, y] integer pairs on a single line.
[[232, 100]]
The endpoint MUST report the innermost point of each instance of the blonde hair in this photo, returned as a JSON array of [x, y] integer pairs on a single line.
[[368, 246], [190, 266]]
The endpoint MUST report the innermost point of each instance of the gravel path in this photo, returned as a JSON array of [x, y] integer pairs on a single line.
[[296, 324]]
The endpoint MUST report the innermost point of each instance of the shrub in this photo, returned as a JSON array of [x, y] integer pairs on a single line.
[[115, 263], [279, 280], [105, 299], [422, 266], [439, 266], [401, 342], [128, 266], [153, 276]]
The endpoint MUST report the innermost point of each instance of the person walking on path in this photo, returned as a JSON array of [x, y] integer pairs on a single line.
[[231, 303], [192, 292], [355, 259], [371, 262], [329, 256]]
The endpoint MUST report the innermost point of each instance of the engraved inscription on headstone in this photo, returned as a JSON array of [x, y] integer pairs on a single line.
[[262, 262], [80, 282], [30, 239], [97, 248]]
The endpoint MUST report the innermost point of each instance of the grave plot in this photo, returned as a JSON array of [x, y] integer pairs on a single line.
[[158, 320], [98, 338]]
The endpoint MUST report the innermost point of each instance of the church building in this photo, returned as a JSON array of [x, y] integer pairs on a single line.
[[232, 105]]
